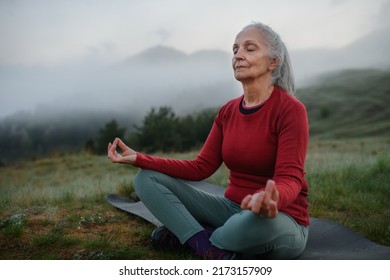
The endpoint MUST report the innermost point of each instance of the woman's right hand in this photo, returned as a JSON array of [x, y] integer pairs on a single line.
[[264, 203], [127, 155]]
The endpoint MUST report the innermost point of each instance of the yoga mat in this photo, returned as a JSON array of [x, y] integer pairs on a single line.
[[327, 240]]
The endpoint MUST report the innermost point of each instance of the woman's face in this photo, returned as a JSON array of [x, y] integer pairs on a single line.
[[251, 60]]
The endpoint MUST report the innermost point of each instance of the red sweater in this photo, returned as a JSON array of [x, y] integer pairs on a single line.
[[268, 144]]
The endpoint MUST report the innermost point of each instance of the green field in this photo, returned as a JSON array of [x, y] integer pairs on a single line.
[[55, 208]]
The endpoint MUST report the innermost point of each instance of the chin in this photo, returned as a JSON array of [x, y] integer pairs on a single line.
[[241, 78]]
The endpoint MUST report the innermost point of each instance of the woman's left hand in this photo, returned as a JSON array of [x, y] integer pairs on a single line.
[[264, 203]]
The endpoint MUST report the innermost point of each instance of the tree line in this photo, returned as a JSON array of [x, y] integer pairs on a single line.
[[160, 130]]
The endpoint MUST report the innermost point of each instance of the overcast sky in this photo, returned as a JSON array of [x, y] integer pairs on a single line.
[[52, 32], [61, 52]]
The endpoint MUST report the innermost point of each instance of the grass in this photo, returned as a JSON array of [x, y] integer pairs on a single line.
[[351, 185], [55, 208], [348, 103]]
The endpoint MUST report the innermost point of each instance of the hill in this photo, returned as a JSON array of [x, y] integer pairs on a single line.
[[350, 103]]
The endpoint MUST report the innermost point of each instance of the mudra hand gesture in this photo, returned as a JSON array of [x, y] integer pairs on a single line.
[[127, 155], [264, 203]]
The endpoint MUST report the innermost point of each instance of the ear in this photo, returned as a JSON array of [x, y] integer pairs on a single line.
[[274, 62]]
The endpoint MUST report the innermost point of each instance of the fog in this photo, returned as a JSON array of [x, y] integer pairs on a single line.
[[156, 77], [162, 76]]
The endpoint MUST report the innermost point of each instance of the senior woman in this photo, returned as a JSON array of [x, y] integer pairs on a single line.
[[262, 138]]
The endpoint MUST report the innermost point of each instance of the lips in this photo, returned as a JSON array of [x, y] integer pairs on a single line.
[[238, 65], [238, 68]]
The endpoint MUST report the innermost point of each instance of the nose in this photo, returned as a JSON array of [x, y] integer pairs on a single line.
[[238, 55]]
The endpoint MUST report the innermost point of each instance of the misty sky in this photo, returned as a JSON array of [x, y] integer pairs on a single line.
[[56, 31], [52, 51]]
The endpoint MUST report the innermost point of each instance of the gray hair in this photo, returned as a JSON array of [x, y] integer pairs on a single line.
[[282, 75]]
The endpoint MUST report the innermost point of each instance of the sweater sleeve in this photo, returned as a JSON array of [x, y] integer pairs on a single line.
[[203, 166], [293, 137]]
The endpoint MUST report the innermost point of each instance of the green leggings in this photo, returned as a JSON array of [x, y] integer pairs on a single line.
[[184, 210]]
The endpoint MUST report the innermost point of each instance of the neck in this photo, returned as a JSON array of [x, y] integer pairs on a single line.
[[255, 94]]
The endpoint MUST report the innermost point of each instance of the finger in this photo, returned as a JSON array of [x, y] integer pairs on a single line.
[[271, 187], [121, 144], [113, 148], [273, 211], [271, 191], [108, 150], [112, 154], [256, 203], [115, 143], [274, 196], [245, 202], [266, 199]]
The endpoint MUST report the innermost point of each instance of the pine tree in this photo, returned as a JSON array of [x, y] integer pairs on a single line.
[[107, 134]]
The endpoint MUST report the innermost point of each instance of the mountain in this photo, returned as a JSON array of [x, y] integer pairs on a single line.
[[187, 82], [158, 54], [171, 55], [369, 51]]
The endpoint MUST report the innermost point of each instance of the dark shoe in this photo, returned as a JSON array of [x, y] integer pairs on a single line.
[[215, 253], [163, 239]]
